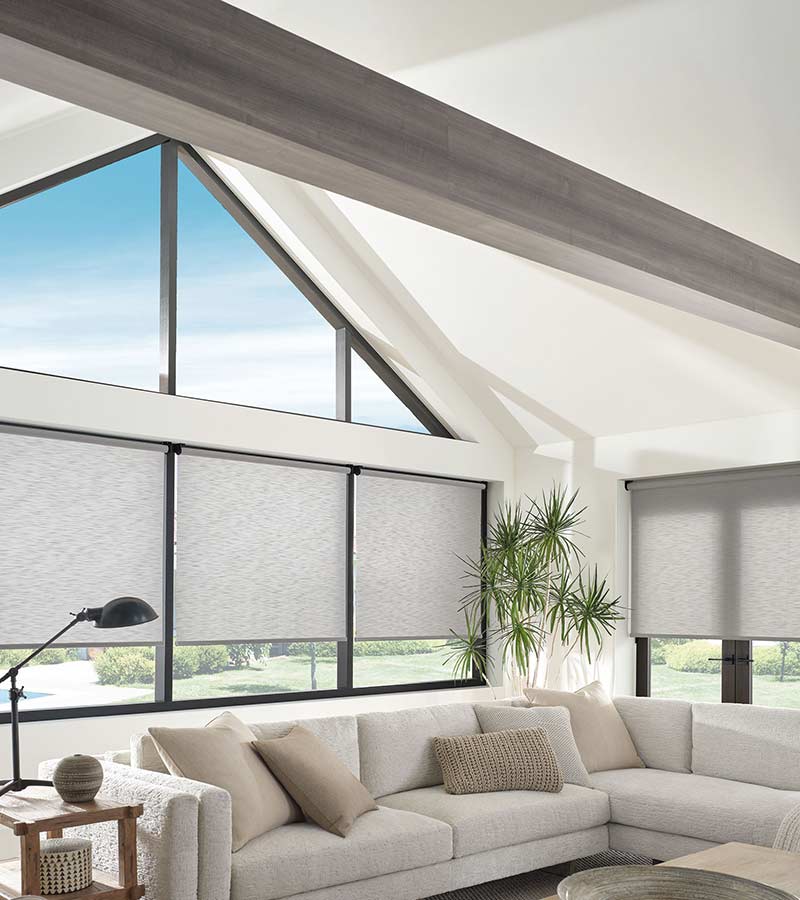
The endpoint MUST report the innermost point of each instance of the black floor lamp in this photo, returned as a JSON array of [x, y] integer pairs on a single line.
[[122, 612]]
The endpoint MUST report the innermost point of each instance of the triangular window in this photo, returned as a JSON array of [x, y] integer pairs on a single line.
[[79, 274], [143, 269]]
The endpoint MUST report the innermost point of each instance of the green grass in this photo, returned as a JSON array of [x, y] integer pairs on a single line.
[[767, 690], [284, 674]]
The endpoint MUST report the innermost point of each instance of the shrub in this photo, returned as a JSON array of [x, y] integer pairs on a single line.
[[185, 662], [211, 658], [393, 648], [767, 661], [51, 656], [239, 655], [693, 657], [126, 665], [327, 649], [659, 648]]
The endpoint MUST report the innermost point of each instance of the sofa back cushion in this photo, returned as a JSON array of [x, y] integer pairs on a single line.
[[661, 730], [747, 743], [397, 747], [340, 733]]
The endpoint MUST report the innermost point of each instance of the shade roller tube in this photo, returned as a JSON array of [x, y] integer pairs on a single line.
[[409, 581], [81, 522], [717, 557], [261, 551]]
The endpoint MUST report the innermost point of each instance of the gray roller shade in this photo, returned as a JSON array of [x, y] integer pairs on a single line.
[[261, 550], [410, 533], [81, 522], [717, 555]]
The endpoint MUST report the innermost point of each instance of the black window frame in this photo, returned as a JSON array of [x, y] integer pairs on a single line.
[[164, 701], [347, 336]]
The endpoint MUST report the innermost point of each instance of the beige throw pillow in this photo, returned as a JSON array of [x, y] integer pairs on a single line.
[[326, 790], [518, 760], [600, 733], [220, 754]]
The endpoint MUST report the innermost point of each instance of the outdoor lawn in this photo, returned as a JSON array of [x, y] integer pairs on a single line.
[[682, 670], [293, 673]]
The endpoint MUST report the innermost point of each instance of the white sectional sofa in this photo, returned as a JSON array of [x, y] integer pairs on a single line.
[[714, 773]]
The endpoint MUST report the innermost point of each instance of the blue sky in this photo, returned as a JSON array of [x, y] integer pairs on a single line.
[[79, 296]]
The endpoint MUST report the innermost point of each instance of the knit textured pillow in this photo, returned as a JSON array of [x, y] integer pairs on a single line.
[[517, 760]]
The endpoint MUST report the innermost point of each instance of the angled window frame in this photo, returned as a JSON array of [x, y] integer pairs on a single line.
[[347, 336]]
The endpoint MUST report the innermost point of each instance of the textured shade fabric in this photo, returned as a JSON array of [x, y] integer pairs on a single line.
[[717, 555], [261, 551], [600, 733], [409, 536], [325, 789], [517, 760], [81, 522], [556, 725]]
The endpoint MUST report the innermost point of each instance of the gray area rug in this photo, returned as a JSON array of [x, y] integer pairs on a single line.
[[541, 883]]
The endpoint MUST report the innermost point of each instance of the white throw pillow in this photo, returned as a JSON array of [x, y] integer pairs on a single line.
[[554, 721]]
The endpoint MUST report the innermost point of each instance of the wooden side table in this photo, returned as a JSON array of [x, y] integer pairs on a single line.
[[33, 811]]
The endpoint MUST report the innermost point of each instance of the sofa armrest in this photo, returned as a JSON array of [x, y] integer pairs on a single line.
[[214, 832], [166, 832], [788, 837]]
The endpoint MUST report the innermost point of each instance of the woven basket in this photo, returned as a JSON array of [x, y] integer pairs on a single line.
[[66, 865]]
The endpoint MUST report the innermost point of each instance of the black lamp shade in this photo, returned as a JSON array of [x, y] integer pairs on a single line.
[[122, 612]]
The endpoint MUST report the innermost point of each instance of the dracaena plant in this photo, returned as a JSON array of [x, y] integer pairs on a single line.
[[533, 587]]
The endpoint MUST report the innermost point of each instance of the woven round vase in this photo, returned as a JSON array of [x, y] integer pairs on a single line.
[[65, 865], [78, 778]]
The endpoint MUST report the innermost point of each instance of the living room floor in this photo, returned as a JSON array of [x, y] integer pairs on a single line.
[[542, 883]]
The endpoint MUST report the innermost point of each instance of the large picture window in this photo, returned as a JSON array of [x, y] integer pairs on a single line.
[[714, 573], [142, 268], [273, 578]]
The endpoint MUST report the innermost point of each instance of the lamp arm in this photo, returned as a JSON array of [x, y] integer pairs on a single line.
[[79, 617]]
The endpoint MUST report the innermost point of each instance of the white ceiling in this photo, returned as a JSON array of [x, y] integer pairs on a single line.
[[20, 107], [691, 101]]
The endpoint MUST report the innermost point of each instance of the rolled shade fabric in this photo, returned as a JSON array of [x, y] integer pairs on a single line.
[[261, 550], [410, 534], [717, 555], [81, 522]]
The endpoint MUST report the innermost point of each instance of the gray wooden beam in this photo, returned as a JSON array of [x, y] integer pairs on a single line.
[[217, 77]]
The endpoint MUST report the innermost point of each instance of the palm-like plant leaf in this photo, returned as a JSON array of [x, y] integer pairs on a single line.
[[594, 611], [468, 651], [553, 520]]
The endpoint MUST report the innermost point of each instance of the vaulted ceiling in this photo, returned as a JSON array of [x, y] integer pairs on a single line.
[[691, 101]]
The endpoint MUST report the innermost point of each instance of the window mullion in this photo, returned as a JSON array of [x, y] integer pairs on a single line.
[[344, 654], [344, 393], [163, 692], [642, 667], [169, 267]]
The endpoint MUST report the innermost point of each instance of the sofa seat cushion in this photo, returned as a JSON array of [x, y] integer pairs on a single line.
[[303, 857], [711, 809], [488, 821]]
